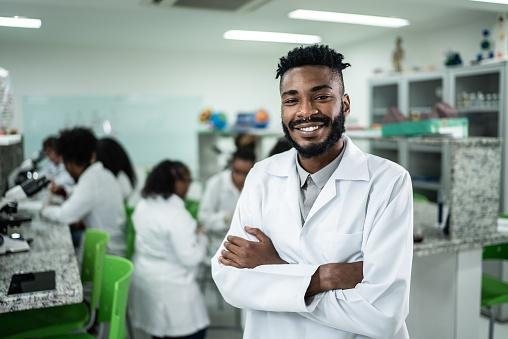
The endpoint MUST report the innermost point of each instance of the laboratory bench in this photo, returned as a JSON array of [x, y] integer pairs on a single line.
[[446, 283], [50, 250]]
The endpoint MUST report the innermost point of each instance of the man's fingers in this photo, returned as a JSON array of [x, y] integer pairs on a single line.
[[227, 262], [232, 248], [257, 233], [232, 257], [238, 241]]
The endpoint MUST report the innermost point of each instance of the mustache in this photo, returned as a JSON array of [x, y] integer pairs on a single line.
[[319, 117]]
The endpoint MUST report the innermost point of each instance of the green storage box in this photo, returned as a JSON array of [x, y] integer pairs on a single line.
[[457, 127]]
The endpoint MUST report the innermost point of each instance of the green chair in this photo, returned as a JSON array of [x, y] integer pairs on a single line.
[[114, 295], [131, 232], [494, 290], [193, 207], [64, 319]]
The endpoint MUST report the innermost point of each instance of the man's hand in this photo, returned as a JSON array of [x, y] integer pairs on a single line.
[[57, 190], [335, 276], [241, 253]]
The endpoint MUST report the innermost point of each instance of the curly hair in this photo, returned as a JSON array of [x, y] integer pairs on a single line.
[[77, 145], [314, 55]]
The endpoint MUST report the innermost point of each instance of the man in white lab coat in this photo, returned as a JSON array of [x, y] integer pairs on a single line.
[[320, 245], [96, 200]]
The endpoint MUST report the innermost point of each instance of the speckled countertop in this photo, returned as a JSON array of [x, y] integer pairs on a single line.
[[435, 242], [475, 141], [51, 249]]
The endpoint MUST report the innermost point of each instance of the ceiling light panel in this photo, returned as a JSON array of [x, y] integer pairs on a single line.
[[20, 22], [271, 37], [348, 18]]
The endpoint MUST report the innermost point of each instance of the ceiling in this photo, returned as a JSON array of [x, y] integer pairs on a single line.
[[140, 24]]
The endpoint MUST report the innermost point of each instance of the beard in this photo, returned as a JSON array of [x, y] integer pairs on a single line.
[[337, 128]]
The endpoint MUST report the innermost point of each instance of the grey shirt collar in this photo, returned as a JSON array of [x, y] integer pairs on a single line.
[[321, 177]]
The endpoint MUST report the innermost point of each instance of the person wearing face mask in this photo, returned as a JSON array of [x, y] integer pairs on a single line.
[[221, 195], [321, 243], [222, 191], [165, 300]]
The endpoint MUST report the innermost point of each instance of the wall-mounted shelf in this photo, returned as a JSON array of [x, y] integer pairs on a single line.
[[480, 94]]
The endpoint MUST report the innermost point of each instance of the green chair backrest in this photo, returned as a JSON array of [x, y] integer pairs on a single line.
[[131, 232], [94, 251], [193, 207], [496, 252], [114, 294], [418, 197]]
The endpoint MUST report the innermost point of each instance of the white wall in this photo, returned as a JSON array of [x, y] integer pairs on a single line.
[[225, 82], [421, 49]]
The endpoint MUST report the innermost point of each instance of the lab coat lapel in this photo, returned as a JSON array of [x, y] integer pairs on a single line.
[[292, 196], [284, 165], [353, 166]]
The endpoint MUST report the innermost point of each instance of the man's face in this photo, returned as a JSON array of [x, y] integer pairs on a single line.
[[53, 156], [239, 170], [313, 109], [73, 169]]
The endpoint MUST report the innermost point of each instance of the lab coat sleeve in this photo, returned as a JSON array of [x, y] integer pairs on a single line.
[[278, 288], [379, 305], [189, 246], [209, 214], [74, 208]]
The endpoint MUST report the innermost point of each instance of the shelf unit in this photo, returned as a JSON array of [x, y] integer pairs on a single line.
[[428, 164], [478, 92]]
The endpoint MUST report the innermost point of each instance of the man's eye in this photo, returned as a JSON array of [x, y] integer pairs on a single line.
[[290, 101], [323, 97]]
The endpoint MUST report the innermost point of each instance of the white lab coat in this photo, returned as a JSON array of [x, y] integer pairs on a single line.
[[164, 297], [218, 202], [364, 212], [97, 202], [125, 185]]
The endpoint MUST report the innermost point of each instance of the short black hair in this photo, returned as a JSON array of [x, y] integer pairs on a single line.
[[244, 153], [162, 178], [51, 142], [77, 145], [314, 55], [114, 157]]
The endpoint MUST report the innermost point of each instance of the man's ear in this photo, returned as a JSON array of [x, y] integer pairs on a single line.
[[346, 105]]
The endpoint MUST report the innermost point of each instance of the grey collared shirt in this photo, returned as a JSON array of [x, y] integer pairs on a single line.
[[312, 184]]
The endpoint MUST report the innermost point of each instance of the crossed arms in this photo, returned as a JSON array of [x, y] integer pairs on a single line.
[[242, 253]]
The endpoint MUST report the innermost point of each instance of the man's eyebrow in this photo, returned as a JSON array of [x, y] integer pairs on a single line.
[[320, 87], [313, 89], [290, 92]]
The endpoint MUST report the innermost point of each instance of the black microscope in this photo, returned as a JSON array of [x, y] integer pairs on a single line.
[[9, 216]]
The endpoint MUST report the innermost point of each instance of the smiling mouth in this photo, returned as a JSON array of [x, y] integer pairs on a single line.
[[308, 127]]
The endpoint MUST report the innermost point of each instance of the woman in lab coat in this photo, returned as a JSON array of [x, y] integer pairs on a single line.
[[114, 157], [165, 300]]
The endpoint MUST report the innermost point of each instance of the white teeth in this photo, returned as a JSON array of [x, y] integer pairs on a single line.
[[309, 129]]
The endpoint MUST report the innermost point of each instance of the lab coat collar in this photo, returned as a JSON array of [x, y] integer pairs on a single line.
[[94, 167], [353, 166]]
